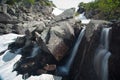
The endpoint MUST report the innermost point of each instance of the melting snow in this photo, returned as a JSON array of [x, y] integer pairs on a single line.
[[57, 11], [7, 60], [6, 39]]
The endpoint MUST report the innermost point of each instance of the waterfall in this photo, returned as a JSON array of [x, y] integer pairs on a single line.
[[102, 55], [65, 68], [105, 38]]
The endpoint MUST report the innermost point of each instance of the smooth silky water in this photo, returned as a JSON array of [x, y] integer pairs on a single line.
[[65, 68], [102, 55]]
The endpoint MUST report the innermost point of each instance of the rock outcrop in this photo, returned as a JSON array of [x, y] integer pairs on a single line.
[[114, 61], [83, 67], [47, 40]]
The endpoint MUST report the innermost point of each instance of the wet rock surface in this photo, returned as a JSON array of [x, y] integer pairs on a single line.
[[114, 61], [47, 38], [83, 67]]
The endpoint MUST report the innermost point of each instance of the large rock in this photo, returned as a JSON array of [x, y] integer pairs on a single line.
[[4, 17], [60, 37], [114, 61], [34, 25], [42, 50], [2, 28], [67, 14], [18, 28], [94, 14], [83, 67], [40, 53], [8, 28], [45, 35]]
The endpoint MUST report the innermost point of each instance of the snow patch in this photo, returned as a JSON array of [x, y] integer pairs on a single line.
[[6, 39], [7, 60], [57, 11]]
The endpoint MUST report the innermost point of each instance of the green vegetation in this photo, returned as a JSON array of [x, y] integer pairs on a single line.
[[42, 2], [46, 3], [11, 2], [76, 13], [109, 8]]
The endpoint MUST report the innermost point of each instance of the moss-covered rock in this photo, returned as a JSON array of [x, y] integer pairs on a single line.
[[102, 9]]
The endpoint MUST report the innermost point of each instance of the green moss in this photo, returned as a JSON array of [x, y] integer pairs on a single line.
[[46, 3], [42, 2], [76, 14]]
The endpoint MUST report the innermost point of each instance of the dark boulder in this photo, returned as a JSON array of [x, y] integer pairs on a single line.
[[81, 10], [35, 58], [4, 17], [114, 61], [19, 43], [67, 14], [83, 66]]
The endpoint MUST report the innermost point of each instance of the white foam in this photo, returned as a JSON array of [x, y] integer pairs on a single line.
[[82, 18]]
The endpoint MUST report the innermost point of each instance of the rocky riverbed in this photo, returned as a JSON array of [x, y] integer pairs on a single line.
[[46, 39], [45, 42]]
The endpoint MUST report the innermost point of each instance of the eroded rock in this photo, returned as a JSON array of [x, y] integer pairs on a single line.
[[83, 67], [114, 61]]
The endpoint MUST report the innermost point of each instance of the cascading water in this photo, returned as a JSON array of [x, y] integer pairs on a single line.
[[65, 68], [102, 55], [105, 38]]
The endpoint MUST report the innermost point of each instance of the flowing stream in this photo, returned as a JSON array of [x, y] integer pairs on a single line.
[[65, 68], [102, 55]]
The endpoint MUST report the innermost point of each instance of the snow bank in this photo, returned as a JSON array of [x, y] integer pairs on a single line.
[[7, 60], [57, 11], [6, 39]]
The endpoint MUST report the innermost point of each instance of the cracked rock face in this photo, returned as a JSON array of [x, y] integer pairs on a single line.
[[67, 14], [56, 43], [37, 51], [114, 61], [47, 39]]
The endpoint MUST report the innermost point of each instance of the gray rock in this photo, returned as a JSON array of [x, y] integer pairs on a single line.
[[45, 35], [2, 28], [3, 8], [29, 18], [93, 26], [40, 27], [64, 30], [57, 46], [46, 10], [8, 28], [4, 17], [69, 13], [19, 29], [56, 43], [36, 7], [34, 25], [41, 43]]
